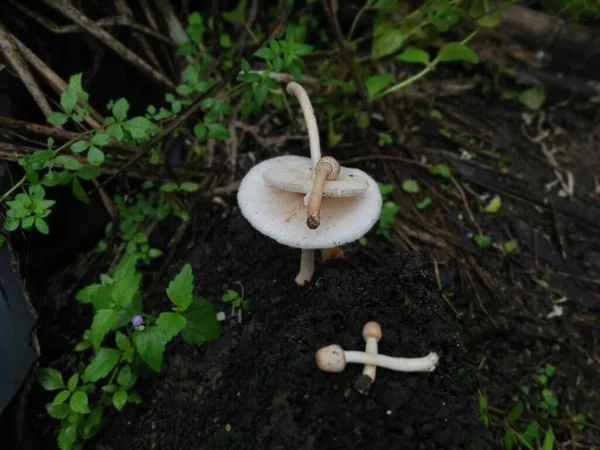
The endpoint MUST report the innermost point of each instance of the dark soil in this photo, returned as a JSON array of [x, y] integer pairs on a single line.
[[261, 377]]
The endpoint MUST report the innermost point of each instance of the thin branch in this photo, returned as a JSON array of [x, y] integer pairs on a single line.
[[16, 61], [103, 23], [68, 10]]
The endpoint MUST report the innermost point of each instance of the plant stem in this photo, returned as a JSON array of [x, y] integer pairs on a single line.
[[14, 188], [362, 10], [404, 83]]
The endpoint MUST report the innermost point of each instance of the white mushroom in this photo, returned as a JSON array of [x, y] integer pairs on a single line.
[[334, 358], [281, 196], [371, 335]]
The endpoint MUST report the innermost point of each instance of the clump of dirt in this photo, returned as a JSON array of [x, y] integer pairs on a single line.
[[258, 387]]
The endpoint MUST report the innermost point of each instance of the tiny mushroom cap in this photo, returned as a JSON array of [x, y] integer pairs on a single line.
[[372, 330], [275, 204]]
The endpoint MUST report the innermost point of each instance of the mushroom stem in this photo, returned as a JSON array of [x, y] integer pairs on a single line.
[[372, 335], [327, 169], [311, 121], [307, 267], [333, 358]]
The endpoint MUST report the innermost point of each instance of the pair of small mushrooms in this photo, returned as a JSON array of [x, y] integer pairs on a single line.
[[309, 203], [334, 358]]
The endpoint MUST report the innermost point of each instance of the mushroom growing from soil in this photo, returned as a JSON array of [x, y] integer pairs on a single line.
[[371, 335], [309, 203], [334, 358]]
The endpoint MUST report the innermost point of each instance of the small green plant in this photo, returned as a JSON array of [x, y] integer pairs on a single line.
[[119, 343], [237, 300]]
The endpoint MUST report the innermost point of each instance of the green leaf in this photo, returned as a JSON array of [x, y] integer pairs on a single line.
[[236, 16], [509, 440], [265, 53], [516, 412], [424, 203], [188, 186], [170, 324], [115, 130], [135, 398], [58, 411], [41, 225], [88, 173], [83, 345], [533, 98], [150, 344], [79, 191], [87, 294], [169, 187], [104, 361], [119, 399], [229, 295], [414, 55], [120, 109], [200, 130], [377, 83], [27, 222], [441, 169], [202, 323], [80, 146], [140, 128], [92, 421], [61, 397], [100, 138], [548, 440], [103, 321], [95, 156], [217, 131], [79, 402], [181, 287], [124, 289], [68, 162], [494, 205], [67, 437], [489, 21], [511, 246], [126, 378], [483, 241], [455, 51], [75, 85], [410, 186], [122, 341], [57, 118], [50, 379], [68, 99], [387, 39], [72, 383]]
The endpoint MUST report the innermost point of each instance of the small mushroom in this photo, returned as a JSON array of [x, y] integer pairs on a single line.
[[334, 358], [371, 335], [291, 200]]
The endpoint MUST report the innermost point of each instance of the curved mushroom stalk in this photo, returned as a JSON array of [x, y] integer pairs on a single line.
[[307, 267]]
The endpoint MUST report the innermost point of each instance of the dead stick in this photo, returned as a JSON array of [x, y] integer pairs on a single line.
[[90, 26], [16, 61]]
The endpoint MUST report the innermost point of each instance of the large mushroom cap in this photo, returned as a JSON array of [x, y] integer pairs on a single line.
[[281, 215], [297, 176]]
